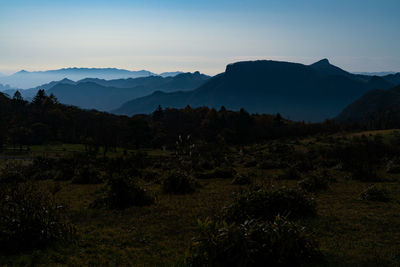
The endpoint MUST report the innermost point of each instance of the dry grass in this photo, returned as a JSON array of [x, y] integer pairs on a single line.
[[351, 232]]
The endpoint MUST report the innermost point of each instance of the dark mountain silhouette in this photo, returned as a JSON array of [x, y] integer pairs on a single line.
[[106, 95], [393, 78], [377, 82], [183, 81], [297, 91], [372, 106], [28, 94], [325, 67]]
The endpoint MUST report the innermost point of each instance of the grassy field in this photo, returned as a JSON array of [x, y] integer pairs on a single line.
[[350, 231]]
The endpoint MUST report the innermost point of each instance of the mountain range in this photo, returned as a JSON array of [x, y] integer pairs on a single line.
[[25, 79], [104, 95], [380, 73], [298, 92]]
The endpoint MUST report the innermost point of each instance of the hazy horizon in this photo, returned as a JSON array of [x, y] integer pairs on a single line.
[[164, 36], [11, 72]]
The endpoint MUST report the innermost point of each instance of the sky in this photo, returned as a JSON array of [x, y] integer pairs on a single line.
[[198, 35]]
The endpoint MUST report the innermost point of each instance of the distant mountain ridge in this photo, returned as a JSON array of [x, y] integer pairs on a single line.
[[104, 95], [5, 87], [299, 92], [381, 73], [25, 79]]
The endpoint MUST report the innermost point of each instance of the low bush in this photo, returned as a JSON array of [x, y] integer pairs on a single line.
[[44, 175], [224, 172], [203, 175], [87, 174], [206, 164], [241, 179], [304, 165], [43, 163], [30, 218], [178, 183], [64, 174], [290, 173], [269, 164], [266, 204], [150, 176], [393, 166], [122, 165], [122, 192], [250, 163], [139, 159], [366, 173], [12, 173], [276, 243], [314, 183], [375, 193]]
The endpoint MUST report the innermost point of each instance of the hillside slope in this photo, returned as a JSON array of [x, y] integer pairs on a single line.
[[297, 91]]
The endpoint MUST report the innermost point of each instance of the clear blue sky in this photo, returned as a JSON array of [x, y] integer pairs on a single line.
[[197, 35]]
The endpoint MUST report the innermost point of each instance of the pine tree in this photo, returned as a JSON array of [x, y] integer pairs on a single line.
[[18, 97], [39, 97]]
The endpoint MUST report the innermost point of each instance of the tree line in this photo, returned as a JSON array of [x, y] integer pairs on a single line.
[[45, 120]]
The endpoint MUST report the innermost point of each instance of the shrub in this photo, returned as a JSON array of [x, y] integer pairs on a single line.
[[250, 163], [266, 204], [178, 183], [150, 176], [375, 193], [44, 175], [314, 183], [206, 164], [224, 172], [290, 173], [203, 175], [365, 173], [304, 165], [122, 192], [139, 159], [43, 163], [393, 166], [64, 174], [12, 173], [124, 165], [30, 218], [241, 179], [87, 174], [281, 148], [276, 243], [269, 164]]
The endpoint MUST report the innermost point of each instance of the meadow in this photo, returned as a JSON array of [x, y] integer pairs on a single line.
[[350, 180]]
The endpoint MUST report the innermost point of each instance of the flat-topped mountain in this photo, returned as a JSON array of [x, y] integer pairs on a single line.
[[299, 92]]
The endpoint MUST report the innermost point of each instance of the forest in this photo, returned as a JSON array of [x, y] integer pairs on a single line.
[[194, 187]]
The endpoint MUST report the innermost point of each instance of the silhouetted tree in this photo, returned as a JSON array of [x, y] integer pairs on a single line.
[[53, 98], [17, 98], [39, 97], [278, 119], [158, 113]]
